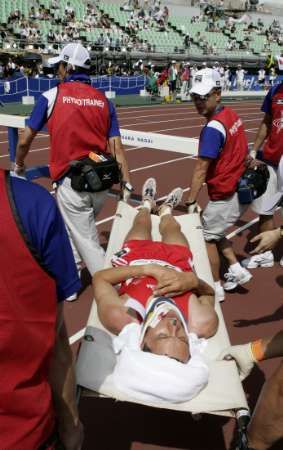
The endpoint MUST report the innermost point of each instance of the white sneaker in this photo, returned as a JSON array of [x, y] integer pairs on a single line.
[[71, 298], [265, 259], [149, 191], [235, 279], [173, 198], [219, 293]]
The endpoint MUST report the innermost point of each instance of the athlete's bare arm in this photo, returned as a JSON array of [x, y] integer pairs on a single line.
[[203, 319], [112, 313]]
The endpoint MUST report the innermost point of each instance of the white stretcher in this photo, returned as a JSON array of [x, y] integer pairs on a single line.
[[224, 394]]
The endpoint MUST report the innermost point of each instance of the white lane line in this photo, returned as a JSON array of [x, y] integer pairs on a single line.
[[184, 111], [162, 163], [187, 119], [30, 151], [76, 336]]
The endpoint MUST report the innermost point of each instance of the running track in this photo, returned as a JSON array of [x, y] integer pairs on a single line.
[[253, 311]]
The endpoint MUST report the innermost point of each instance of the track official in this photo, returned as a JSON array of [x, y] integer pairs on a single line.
[[221, 162], [81, 121], [270, 135], [37, 272]]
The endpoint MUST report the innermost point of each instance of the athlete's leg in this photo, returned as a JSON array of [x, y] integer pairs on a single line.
[[169, 228], [266, 426], [141, 228]]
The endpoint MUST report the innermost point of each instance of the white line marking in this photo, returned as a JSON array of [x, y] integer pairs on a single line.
[[76, 336], [30, 151], [161, 163]]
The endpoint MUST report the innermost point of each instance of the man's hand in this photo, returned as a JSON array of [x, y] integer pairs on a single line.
[[127, 190], [251, 162], [243, 356], [193, 207], [267, 240], [170, 282], [72, 438], [19, 169]]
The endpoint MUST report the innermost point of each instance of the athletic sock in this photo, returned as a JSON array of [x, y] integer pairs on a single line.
[[236, 268], [217, 285], [165, 210], [146, 204]]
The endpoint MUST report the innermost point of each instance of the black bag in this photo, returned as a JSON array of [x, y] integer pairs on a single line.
[[252, 184], [88, 175]]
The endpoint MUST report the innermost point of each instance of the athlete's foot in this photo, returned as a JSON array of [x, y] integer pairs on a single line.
[[172, 200], [148, 193]]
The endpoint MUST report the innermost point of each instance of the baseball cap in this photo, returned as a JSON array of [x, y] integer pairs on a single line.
[[275, 200], [75, 54], [204, 81]]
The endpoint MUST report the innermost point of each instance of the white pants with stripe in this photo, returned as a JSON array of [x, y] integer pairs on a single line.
[[79, 210]]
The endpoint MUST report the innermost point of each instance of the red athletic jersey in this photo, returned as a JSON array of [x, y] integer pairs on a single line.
[[138, 252], [225, 171], [273, 148], [78, 125], [27, 335]]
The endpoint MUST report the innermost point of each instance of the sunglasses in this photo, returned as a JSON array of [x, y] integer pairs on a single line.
[[202, 98]]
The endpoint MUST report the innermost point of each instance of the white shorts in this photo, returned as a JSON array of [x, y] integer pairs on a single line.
[[272, 188], [220, 215]]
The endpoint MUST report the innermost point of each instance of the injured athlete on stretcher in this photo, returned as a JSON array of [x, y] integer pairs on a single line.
[[162, 312]]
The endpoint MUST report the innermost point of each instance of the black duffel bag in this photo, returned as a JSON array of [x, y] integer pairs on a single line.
[[253, 184], [88, 175]]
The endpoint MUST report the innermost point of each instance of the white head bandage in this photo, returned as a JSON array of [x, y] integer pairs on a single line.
[[155, 378]]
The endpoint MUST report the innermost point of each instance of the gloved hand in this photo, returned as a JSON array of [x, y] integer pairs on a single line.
[[127, 190], [243, 356], [193, 207], [126, 195]]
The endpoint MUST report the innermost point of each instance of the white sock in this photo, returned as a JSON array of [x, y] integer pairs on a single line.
[[236, 268], [147, 204], [217, 285], [165, 210]]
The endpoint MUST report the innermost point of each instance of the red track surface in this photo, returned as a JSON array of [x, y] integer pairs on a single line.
[[253, 311]]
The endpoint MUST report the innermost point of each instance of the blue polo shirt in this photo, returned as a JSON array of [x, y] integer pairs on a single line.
[[47, 234], [44, 105], [212, 138]]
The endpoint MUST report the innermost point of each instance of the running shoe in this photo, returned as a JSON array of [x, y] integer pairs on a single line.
[[265, 259], [235, 279], [174, 198], [149, 190]]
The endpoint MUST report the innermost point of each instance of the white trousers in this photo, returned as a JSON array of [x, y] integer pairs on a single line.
[[79, 210]]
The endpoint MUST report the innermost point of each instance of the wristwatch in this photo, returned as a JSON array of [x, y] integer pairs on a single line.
[[128, 186]]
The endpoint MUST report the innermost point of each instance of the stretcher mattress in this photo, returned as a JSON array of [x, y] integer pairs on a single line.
[[224, 393]]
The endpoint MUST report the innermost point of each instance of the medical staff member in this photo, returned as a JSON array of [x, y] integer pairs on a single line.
[[37, 385], [266, 426], [80, 120], [221, 162], [270, 133]]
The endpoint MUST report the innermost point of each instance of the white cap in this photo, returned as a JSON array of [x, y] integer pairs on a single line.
[[204, 81], [74, 54], [275, 199]]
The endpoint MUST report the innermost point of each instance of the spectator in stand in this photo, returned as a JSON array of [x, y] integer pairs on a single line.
[[261, 77], [185, 78], [240, 75]]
